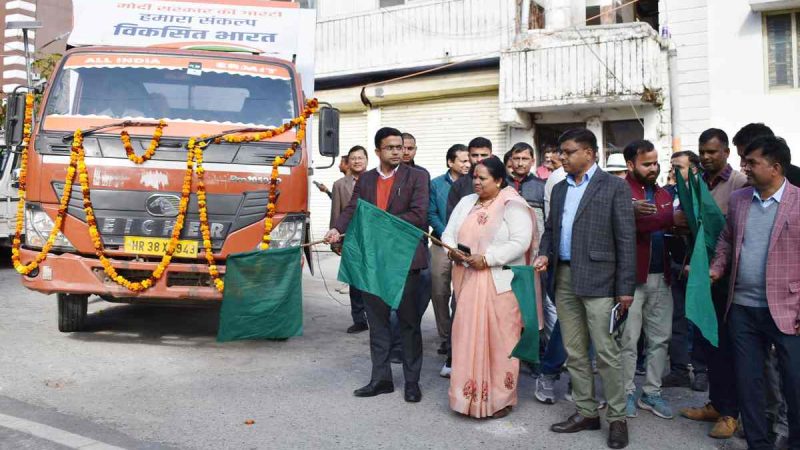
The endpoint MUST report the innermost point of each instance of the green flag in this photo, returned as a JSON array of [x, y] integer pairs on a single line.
[[710, 215], [699, 306], [684, 189], [527, 349], [377, 252], [263, 296]]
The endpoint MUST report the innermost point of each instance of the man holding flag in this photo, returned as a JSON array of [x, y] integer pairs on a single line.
[[705, 207], [760, 250], [377, 243]]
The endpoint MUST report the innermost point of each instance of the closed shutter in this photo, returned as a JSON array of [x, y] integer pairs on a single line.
[[352, 131], [438, 124]]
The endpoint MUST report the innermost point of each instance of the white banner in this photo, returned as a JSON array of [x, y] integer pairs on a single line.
[[278, 29]]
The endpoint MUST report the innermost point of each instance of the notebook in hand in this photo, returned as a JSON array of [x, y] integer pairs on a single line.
[[616, 318]]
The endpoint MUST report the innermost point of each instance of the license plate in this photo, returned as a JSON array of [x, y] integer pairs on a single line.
[[158, 246]]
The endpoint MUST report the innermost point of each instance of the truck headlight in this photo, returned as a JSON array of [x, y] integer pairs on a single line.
[[38, 226], [290, 232]]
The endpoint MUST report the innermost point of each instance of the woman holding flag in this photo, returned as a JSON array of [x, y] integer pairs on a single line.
[[492, 228]]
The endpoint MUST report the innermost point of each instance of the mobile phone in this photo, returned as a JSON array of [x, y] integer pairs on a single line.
[[316, 183], [466, 250]]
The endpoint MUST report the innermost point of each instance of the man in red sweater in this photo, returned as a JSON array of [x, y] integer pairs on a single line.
[[652, 302]]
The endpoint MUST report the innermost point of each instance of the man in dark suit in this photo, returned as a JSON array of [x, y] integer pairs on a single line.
[[402, 191], [589, 239]]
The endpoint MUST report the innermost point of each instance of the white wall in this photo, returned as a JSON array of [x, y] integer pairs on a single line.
[[739, 92]]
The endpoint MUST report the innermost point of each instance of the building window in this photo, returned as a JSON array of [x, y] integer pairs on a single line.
[[605, 12], [619, 133], [536, 16], [783, 49], [390, 3]]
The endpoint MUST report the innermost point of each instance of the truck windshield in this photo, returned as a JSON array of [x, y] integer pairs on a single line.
[[177, 89]]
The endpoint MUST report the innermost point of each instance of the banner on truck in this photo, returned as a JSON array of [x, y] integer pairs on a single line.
[[278, 29]]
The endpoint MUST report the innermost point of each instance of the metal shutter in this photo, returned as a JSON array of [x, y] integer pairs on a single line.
[[438, 124]]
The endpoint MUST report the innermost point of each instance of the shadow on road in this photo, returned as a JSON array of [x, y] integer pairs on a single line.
[[148, 324]]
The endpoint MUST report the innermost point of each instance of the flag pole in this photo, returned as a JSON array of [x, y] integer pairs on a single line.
[[430, 236]]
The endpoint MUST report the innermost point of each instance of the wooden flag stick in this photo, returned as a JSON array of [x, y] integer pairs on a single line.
[[322, 241]]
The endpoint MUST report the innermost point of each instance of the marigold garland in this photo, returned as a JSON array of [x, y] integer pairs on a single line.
[[151, 149], [194, 163]]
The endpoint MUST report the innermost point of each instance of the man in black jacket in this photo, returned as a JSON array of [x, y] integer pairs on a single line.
[[479, 149]]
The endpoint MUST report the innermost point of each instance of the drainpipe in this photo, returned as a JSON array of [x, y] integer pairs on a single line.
[[672, 62]]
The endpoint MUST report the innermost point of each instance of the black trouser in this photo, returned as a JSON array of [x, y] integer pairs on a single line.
[[721, 385], [380, 334], [752, 330], [357, 309], [679, 343]]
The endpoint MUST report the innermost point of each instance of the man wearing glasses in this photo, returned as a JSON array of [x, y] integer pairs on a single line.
[[403, 192]]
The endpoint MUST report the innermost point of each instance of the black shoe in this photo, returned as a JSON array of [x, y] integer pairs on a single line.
[[375, 388], [676, 379], [413, 394], [442, 348], [618, 434], [357, 328], [576, 423], [700, 382]]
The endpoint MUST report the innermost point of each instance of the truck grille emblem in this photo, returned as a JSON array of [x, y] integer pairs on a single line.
[[162, 205]]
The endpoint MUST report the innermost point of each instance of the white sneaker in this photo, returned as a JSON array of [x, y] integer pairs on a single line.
[[446, 369]]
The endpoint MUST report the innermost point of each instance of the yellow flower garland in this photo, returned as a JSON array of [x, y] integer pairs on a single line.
[[194, 157], [151, 149]]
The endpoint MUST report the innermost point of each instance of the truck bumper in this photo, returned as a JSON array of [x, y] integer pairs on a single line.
[[74, 274]]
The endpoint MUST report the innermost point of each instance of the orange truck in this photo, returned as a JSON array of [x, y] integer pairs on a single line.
[[232, 68]]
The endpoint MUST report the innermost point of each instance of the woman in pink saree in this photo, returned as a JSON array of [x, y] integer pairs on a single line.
[[499, 228]]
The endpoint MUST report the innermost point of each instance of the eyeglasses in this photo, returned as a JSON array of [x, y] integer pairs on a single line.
[[393, 148]]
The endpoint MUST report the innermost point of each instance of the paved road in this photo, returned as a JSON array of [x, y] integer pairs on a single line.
[[152, 378]]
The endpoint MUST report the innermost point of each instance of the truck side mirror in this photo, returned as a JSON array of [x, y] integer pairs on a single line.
[[329, 131], [15, 119]]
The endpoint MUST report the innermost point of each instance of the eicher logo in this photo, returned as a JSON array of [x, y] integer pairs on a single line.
[[163, 205]]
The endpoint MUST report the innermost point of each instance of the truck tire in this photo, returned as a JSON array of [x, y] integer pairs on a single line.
[[71, 312]]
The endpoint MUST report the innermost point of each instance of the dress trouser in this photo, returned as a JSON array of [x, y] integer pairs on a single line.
[[380, 334], [679, 342], [357, 310], [721, 385], [752, 330], [582, 318], [650, 312], [440, 289]]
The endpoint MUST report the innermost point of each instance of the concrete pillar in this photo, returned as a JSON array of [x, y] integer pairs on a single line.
[[595, 125], [559, 14]]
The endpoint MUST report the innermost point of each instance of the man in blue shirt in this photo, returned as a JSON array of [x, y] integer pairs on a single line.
[[458, 165]]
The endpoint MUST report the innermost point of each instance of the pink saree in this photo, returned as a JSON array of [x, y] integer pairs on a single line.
[[487, 325]]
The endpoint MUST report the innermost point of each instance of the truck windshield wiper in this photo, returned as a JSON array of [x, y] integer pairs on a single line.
[[124, 123]]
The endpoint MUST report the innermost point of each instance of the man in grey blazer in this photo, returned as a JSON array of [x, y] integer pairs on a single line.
[[589, 239]]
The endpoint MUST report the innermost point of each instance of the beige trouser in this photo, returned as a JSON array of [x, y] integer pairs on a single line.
[[440, 289], [583, 318], [652, 311]]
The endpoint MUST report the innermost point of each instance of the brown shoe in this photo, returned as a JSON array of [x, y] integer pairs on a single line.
[[502, 413], [618, 434], [576, 423], [724, 428], [705, 413]]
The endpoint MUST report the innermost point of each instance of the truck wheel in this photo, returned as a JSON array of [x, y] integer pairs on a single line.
[[71, 312]]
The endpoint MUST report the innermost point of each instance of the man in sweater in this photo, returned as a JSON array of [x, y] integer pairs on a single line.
[[651, 310], [457, 160], [759, 250], [479, 149], [723, 405]]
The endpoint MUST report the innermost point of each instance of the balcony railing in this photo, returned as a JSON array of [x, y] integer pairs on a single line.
[[546, 69], [419, 34]]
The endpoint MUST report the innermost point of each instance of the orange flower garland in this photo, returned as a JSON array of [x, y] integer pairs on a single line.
[[194, 157], [25, 269], [135, 286], [151, 149], [300, 122]]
